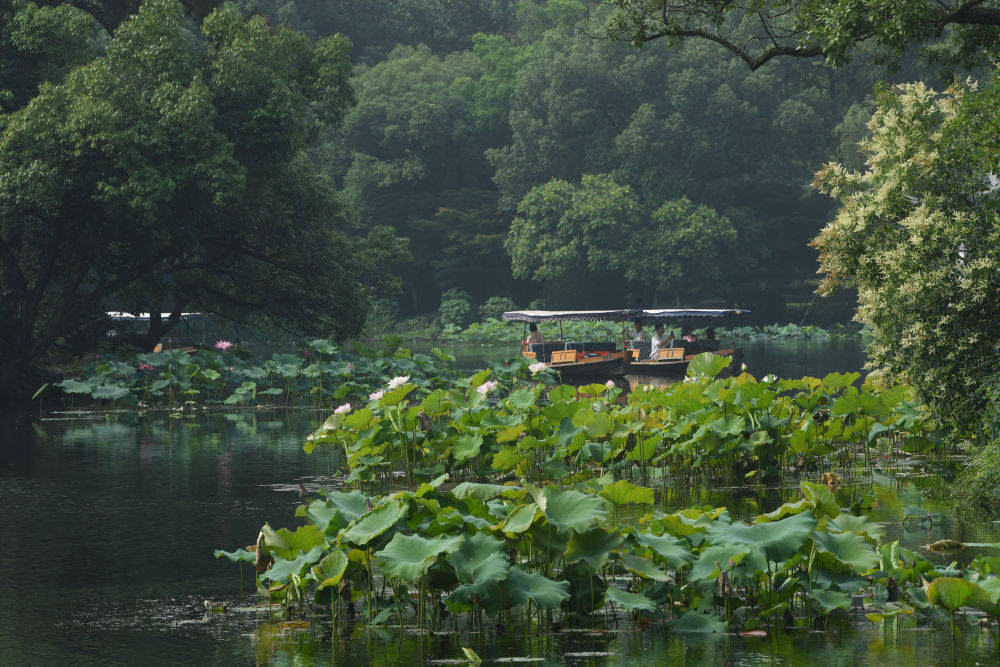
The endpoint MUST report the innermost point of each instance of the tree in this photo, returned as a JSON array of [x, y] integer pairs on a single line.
[[564, 231], [758, 31], [414, 144], [170, 173], [917, 234], [688, 252], [599, 233], [40, 43], [376, 27]]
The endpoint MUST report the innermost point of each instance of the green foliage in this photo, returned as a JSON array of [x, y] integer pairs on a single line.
[[834, 29], [455, 308], [916, 235], [170, 173], [495, 306], [454, 550], [322, 373]]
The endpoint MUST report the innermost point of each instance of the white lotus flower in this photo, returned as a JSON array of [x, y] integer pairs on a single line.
[[398, 381]]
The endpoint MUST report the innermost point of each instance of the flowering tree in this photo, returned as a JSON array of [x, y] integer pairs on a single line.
[[917, 235]]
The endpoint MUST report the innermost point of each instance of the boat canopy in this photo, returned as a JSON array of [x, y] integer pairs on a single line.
[[620, 315]]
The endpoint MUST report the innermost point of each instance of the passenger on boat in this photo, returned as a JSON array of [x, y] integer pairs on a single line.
[[689, 335], [534, 335], [659, 340], [639, 334]]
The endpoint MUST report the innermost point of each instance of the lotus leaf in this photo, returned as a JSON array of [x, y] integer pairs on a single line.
[[676, 552], [778, 540], [592, 547], [821, 498], [952, 592], [436, 403], [562, 393], [695, 621], [858, 524], [483, 491], [827, 601], [330, 569], [283, 568], [593, 424], [594, 389], [285, 544], [707, 365], [642, 567], [238, 556], [369, 526], [522, 399], [788, 509], [359, 419], [511, 433], [396, 396], [690, 521], [630, 601], [480, 558], [427, 487], [849, 548], [408, 557], [467, 447], [623, 492], [508, 457], [714, 559], [519, 519], [571, 510], [547, 594], [729, 425], [596, 452]]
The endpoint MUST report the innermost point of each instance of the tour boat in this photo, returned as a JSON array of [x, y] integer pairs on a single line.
[[598, 361]]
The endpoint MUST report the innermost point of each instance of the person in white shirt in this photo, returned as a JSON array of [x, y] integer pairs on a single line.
[[659, 340]]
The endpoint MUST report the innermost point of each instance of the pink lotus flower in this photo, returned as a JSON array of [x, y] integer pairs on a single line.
[[375, 395], [145, 367], [343, 409], [537, 367], [486, 387], [350, 365], [398, 381], [610, 384], [223, 345]]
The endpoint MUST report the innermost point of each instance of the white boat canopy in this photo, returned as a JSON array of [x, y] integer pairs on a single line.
[[620, 315], [118, 315]]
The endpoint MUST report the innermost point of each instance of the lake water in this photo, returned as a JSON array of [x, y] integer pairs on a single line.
[[108, 526]]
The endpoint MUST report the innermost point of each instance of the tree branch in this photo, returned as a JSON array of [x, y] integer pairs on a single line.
[[753, 62]]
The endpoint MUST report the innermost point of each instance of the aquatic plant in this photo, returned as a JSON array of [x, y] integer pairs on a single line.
[[322, 374], [733, 428], [529, 552]]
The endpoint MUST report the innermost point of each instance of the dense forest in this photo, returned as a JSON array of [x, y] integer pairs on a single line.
[[305, 164]]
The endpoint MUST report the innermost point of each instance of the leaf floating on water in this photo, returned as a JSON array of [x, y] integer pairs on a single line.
[[945, 545], [294, 625]]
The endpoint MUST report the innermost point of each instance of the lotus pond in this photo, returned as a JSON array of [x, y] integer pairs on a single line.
[[519, 521]]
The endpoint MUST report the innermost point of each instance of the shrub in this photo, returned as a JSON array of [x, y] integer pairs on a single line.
[[496, 306], [456, 307]]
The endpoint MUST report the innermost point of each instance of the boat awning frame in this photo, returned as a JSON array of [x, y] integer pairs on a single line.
[[620, 315]]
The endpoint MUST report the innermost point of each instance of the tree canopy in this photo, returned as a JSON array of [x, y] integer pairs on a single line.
[[170, 173], [953, 32]]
